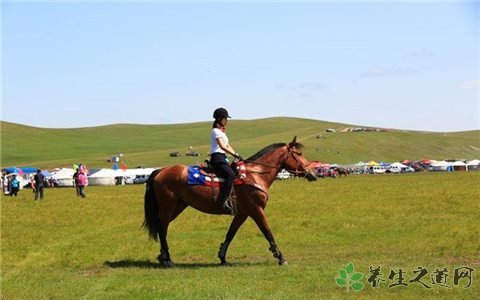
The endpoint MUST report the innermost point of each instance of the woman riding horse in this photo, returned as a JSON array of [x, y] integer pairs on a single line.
[[168, 194], [219, 147]]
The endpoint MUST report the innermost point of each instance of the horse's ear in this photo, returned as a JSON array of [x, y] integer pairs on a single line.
[[293, 142]]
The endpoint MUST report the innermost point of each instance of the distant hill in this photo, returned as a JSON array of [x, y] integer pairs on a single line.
[[150, 145]]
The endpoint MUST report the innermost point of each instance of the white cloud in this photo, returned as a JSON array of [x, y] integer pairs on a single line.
[[470, 84]]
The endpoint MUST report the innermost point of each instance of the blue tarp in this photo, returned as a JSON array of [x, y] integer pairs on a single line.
[[20, 170]]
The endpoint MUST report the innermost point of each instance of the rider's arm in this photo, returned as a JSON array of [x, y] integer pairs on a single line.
[[226, 148]]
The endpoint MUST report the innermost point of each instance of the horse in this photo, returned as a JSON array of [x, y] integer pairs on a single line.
[[168, 194]]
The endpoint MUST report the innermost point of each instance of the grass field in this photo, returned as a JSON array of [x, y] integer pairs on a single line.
[[66, 247]]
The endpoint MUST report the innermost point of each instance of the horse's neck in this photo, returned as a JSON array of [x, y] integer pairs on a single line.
[[267, 167]]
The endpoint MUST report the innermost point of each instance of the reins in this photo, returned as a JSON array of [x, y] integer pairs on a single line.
[[278, 167]]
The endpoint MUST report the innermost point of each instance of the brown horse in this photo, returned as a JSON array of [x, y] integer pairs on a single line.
[[168, 194]]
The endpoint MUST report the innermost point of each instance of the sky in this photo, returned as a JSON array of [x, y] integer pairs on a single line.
[[402, 64]]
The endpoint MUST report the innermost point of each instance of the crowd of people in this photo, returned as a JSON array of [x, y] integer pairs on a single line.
[[11, 185]]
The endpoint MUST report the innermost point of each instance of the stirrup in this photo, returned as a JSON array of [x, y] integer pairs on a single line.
[[226, 207]]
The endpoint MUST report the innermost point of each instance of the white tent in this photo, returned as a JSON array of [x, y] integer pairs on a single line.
[[398, 165], [441, 166], [64, 177], [473, 164], [128, 175], [134, 172], [103, 177], [460, 166]]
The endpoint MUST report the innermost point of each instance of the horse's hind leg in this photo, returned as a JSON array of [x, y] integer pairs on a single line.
[[237, 221], [165, 219], [164, 257]]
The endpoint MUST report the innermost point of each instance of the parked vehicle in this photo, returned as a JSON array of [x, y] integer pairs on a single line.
[[283, 174], [140, 179], [192, 153], [394, 169], [377, 170]]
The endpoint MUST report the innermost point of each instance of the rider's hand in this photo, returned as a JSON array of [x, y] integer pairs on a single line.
[[239, 157]]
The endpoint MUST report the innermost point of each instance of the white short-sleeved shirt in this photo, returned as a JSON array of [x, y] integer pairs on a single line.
[[217, 133]]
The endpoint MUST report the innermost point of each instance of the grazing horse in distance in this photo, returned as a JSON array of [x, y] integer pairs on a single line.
[[168, 194]]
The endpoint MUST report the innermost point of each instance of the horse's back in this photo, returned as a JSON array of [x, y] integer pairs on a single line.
[[172, 174]]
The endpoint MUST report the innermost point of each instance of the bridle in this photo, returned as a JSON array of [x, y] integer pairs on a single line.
[[295, 157]]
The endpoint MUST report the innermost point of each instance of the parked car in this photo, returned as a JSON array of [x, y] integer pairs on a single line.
[[377, 170], [394, 169], [192, 153], [140, 179], [283, 174]]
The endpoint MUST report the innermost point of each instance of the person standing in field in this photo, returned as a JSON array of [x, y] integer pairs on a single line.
[[15, 186], [32, 183], [39, 185], [82, 182], [75, 181]]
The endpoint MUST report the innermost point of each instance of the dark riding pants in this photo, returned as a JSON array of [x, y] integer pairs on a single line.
[[220, 165]]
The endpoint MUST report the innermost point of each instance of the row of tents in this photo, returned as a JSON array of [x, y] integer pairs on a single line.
[[63, 177], [431, 165]]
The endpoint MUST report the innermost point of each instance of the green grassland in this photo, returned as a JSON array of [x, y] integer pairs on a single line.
[[66, 247], [150, 145]]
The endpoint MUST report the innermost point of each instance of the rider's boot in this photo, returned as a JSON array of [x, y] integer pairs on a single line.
[[224, 204]]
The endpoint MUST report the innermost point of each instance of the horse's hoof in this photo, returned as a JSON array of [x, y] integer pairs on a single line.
[[168, 264], [283, 262], [165, 263], [225, 264]]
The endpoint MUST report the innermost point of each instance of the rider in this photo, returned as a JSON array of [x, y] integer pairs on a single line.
[[219, 147]]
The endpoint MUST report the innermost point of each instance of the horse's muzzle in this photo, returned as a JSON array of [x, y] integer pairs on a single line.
[[310, 176]]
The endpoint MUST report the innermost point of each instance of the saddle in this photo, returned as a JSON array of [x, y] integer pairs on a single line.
[[205, 175]]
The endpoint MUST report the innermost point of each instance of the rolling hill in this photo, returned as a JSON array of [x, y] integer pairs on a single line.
[[150, 145]]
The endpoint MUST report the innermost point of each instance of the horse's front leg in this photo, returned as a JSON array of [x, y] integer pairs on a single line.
[[237, 221], [261, 220]]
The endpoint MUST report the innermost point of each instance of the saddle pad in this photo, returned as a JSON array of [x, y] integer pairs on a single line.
[[194, 177]]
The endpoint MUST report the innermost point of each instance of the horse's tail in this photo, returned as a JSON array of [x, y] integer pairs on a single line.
[[152, 221]]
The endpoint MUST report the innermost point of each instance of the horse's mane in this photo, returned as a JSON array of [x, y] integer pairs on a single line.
[[270, 148]]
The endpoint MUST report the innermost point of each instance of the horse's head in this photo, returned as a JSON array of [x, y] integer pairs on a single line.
[[296, 163]]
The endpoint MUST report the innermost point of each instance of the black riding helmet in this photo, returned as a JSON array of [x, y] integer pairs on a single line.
[[220, 113]]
